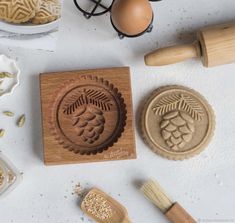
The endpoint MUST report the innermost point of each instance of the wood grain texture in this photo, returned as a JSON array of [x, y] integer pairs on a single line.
[[57, 89], [214, 45], [172, 54], [218, 45], [177, 214]]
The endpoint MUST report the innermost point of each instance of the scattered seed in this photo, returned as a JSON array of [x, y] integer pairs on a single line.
[[78, 190], [8, 113], [6, 74], [2, 132], [21, 121]]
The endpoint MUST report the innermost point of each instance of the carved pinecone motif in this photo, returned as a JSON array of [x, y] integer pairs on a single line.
[[178, 113], [89, 122], [177, 129]]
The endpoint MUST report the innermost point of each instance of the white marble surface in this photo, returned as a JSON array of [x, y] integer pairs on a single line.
[[205, 185]]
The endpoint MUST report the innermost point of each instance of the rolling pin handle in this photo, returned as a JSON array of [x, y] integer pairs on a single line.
[[173, 54]]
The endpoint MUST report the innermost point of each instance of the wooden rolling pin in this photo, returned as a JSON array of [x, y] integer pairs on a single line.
[[214, 45]]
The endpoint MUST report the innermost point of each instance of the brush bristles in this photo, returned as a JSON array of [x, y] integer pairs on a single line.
[[153, 191]]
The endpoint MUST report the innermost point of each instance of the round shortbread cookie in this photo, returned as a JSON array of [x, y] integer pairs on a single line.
[[18, 11], [49, 11], [177, 122]]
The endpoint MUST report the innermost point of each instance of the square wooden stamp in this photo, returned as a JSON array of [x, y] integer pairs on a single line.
[[87, 116]]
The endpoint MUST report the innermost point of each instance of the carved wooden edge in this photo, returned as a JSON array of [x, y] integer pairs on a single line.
[[117, 94], [183, 155]]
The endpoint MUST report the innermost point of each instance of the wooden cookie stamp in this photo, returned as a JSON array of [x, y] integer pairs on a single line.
[[177, 122], [86, 117]]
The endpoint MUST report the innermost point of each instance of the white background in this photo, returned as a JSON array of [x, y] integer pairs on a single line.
[[204, 185]]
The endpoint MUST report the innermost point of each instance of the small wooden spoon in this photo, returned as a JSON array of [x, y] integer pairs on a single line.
[[103, 208]]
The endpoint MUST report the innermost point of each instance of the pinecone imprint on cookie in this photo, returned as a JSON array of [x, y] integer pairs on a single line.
[[178, 115], [177, 129], [177, 122]]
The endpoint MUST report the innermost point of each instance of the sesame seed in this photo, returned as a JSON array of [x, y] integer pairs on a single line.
[[97, 206]]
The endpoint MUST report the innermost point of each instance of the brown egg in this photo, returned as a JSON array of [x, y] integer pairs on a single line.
[[131, 17]]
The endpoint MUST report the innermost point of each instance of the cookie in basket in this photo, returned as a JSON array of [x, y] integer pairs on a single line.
[[18, 11], [49, 11]]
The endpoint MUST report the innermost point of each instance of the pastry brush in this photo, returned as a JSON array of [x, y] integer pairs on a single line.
[[172, 210]]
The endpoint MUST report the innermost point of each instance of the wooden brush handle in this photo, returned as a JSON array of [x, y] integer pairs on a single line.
[[176, 214], [173, 54]]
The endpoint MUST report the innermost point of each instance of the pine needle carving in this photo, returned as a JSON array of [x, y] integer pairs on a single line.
[[94, 97], [180, 102]]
